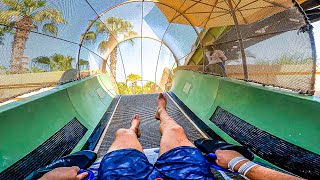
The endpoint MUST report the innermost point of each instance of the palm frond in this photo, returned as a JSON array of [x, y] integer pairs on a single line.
[[53, 15], [2, 33], [69, 59], [83, 62], [42, 60], [57, 58], [103, 46], [50, 28], [12, 4], [8, 16], [131, 34], [118, 25], [89, 37], [101, 27], [34, 4]]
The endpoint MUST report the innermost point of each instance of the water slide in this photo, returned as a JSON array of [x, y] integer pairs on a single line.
[[275, 115]]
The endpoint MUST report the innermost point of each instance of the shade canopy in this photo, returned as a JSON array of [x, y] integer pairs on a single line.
[[215, 13]]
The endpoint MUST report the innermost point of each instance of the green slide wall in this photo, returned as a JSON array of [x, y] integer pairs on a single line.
[[287, 115], [27, 123]]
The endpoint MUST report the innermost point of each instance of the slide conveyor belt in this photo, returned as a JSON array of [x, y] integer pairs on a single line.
[[145, 106]]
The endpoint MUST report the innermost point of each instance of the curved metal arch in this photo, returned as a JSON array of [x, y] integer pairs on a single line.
[[177, 62], [135, 1], [145, 37]]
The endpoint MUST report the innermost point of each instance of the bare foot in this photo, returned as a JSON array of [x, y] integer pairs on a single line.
[[161, 105], [135, 123]]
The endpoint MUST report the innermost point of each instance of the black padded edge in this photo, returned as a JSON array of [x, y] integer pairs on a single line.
[[60, 144], [269, 147], [205, 128], [97, 132]]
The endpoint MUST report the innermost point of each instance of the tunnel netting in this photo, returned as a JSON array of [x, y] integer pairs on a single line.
[[140, 44]]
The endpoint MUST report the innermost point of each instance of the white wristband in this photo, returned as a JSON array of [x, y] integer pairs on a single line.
[[235, 161], [245, 168]]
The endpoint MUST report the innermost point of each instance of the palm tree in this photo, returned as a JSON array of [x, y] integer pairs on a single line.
[[133, 78], [25, 16], [84, 65], [57, 62], [112, 27]]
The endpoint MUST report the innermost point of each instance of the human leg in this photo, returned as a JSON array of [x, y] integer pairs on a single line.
[[178, 157], [128, 138], [125, 158], [172, 134]]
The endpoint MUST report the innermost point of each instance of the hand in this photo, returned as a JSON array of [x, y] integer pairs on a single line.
[[225, 156], [64, 173]]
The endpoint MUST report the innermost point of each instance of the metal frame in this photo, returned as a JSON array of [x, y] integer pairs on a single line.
[[149, 37], [136, 1], [177, 61], [309, 28], [240, 39]]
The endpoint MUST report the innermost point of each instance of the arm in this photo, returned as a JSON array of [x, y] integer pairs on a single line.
[[222, 56], [64, 173], [256, 173]]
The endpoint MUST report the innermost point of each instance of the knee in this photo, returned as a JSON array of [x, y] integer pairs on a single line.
[[124, 132], [177, 129]]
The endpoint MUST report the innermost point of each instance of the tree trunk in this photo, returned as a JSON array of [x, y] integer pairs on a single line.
[[24, 27], [104, 66], [113, 64]]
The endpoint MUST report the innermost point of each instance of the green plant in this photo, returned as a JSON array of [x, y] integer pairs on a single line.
[[56, 62], [2, 68], [84, 63], [285, 60], [37, 70], [27, 15], [133, 77], [112, 27], [148, 87]]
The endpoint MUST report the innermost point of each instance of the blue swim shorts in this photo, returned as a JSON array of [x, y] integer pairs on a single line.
[[183, 162]]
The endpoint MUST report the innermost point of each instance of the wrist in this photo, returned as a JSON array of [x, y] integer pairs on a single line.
[[235, 161], [246, 167], [237, 166]]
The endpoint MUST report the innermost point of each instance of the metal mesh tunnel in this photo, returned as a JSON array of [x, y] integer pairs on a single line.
[[145, 106], [152, 39], [102, 61]]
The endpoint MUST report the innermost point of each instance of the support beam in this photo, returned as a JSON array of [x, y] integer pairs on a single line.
[[243, 55]]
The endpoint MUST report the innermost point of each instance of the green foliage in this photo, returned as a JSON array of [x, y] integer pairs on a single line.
[[83, 62], [123, 88], [285, 60], [14, 11], [133, 77], [37, 70], [148, 87], [42, 60], [112, 27], [2, 33], [2, 68], [57, 62], [133, 87]]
